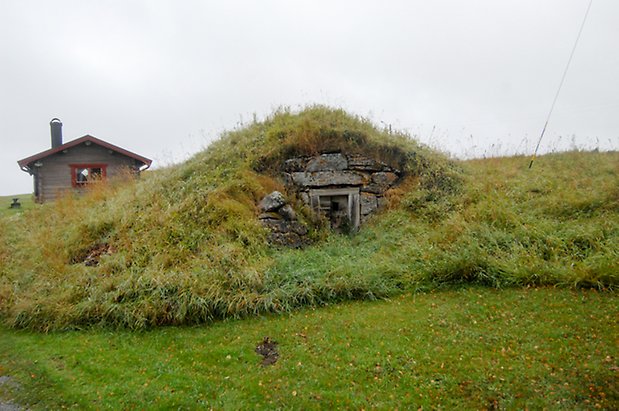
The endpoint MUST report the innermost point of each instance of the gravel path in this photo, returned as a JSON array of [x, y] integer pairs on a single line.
[[8, 405]]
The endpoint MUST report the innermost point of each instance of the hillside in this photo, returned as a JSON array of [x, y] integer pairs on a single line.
[[183, 245]]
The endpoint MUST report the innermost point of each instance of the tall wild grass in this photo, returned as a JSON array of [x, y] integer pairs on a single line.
[[182, 245]]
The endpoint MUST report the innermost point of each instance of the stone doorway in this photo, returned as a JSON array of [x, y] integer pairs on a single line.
[[339, 205]]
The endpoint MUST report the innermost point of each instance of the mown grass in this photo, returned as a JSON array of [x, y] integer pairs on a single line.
[[187, 247], [26, 201], [472, 348]]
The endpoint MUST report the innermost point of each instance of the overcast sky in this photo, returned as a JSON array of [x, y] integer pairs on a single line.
[[164, 78]]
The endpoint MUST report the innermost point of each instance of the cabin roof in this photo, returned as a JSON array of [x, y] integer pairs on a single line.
[[29, 160]]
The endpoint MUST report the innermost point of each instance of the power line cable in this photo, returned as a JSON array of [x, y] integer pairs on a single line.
[[561, 83]]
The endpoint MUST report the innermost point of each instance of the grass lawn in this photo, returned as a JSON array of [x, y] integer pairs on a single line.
[[26, 200], [468, 348]]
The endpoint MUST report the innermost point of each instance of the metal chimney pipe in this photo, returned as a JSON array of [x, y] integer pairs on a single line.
[[56, 129]]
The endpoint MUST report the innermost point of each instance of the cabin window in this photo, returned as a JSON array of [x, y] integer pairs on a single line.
[[84, 174]]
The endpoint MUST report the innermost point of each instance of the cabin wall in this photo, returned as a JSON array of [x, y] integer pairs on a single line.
[[53, 177]]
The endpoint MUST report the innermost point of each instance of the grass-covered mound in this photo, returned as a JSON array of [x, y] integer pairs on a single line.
[[183, 244]]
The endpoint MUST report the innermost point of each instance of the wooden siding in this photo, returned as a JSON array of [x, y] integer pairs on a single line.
[[54, 174]]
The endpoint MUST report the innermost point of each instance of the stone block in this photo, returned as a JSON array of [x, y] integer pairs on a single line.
[[272, 215], [272, 202], [381, 182], [290, 240], [384, 178], [287, 212], [373, 189], [297, 228], [327, 162], [295, 164], [368, 203], [328, 178], [303, 196], [276, 226], [282, 226], [357, 162], [287, 180]]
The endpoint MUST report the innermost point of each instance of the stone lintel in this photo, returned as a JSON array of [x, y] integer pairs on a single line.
[[328, 178]]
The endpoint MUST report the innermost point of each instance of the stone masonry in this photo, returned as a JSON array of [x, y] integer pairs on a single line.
[[332, 182], [280, 218], [345, 189]]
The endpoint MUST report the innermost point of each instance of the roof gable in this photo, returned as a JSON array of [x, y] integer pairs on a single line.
[[28, 160]]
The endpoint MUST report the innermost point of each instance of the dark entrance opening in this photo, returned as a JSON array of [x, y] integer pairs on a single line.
[[340, 206]]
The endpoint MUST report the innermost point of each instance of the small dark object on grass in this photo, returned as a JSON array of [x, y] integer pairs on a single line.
[[15, 203], [493, 404], [94, 254], [268, 349]]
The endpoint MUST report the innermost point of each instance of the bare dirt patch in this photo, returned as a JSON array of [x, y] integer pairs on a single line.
[[268, 349]]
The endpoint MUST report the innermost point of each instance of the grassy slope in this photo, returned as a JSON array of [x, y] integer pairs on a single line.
[[188, 248], [557, 224], [26, 201], [471, 348]]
